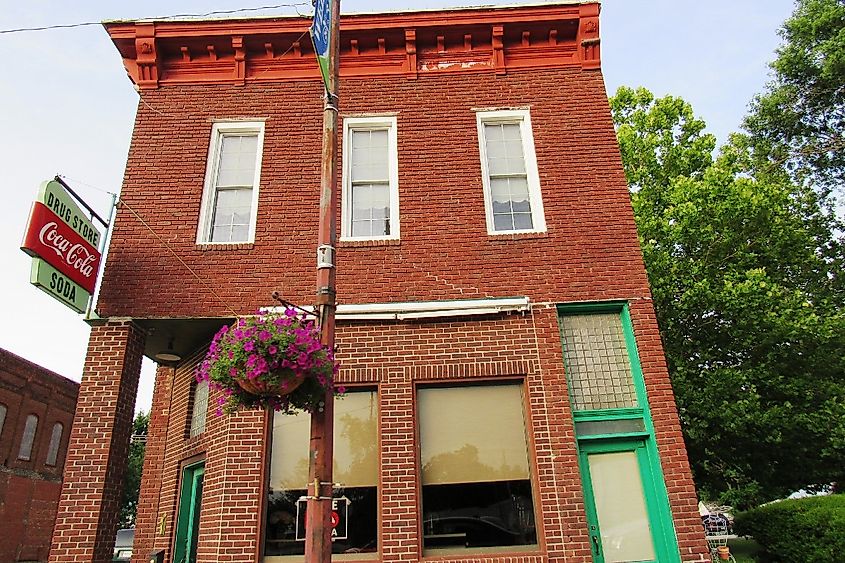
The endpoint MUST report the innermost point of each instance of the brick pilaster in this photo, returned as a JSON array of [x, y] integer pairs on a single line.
[[146, 522], [87, 519]]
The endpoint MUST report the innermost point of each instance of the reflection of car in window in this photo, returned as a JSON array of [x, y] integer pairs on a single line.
[[123, 544], [507, 522]]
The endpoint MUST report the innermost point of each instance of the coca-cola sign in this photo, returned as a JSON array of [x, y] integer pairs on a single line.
[[52, 239]]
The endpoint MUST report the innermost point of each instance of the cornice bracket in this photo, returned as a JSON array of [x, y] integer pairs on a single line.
[[411, 53], [146, 56], [240, 59], [499, 49], [588, 41]]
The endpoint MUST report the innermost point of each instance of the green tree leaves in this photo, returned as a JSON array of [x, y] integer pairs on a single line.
[[798, 124], [746, 273]]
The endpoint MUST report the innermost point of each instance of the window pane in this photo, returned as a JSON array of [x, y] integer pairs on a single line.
[[356, 458], [370, 156], [622, 426], [620, 507], [200, 408], [28, 437], [475, 474], [231, 215], [237, 160], [510, 202], [2, 418], [55, 442], [596, 359], [370, 209]]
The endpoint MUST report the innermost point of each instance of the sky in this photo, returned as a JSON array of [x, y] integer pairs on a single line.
[[67, 107]]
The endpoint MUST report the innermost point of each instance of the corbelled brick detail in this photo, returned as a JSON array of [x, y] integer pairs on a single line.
[[99, 445]]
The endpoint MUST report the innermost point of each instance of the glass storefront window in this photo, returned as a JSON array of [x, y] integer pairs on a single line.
[[476, 482], [356, 458]]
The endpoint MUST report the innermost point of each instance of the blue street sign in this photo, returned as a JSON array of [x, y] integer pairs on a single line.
[[321, 35]]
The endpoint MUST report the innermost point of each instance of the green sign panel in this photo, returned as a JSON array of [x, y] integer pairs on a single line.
[[53, 195], [50, 280]]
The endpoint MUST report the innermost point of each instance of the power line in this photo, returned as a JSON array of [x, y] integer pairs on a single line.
[[174, 16]]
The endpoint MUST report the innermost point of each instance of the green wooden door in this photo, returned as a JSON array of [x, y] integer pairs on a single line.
[[190, 504], [627, 509]]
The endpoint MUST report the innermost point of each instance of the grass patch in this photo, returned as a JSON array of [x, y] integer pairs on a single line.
[[745, 550]]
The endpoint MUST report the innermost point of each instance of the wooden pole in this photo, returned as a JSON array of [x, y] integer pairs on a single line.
[[318, 528]]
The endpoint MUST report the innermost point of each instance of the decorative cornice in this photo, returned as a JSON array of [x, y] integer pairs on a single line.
[[408, 44]]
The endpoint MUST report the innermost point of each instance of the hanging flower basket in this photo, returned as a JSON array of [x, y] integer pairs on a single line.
[[270, 360]]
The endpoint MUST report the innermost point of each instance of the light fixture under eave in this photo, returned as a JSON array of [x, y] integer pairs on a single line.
[[168, 356]]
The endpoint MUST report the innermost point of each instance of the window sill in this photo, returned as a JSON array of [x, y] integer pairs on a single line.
[[368, 243], [503, 237], [212, 246]]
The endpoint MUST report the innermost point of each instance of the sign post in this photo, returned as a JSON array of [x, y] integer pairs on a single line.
[[325, 33]]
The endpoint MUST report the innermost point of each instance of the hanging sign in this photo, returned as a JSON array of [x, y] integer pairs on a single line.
[[64, 245], [48, 279], [321, 31], [340, 518]]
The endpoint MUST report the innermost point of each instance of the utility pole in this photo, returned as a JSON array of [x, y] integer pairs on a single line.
[[318, 527]]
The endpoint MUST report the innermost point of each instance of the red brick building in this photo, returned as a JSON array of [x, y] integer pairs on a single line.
[[36, 412], [508, 395]]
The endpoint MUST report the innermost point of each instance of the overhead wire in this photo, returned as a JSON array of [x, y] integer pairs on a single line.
[[170, 17]]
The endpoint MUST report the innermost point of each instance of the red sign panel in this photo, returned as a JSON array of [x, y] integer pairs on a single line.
[[51, 239]]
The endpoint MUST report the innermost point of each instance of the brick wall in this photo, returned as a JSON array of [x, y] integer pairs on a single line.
[[589, 253], [29, 489]]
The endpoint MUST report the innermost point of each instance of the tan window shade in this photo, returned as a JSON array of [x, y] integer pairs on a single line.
[[355, 444], [620, 507], [597, 367], [472, 434]]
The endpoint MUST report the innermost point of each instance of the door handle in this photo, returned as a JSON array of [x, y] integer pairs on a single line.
[[596, 544]]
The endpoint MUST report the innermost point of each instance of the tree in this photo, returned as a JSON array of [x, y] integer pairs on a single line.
[[798, 123], [747, 278], [134, 465]]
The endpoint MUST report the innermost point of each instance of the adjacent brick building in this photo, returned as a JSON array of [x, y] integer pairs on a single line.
[[508, 395], [36, 412]]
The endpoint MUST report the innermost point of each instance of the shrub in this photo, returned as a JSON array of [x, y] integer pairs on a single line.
[[794, 531]]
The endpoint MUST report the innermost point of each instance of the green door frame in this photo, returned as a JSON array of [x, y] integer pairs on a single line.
[[190, 503], [659, 516]]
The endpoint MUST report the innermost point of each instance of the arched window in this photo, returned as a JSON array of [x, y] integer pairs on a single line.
[[200, 408], [28, 438], [55, 442], [2, 417]]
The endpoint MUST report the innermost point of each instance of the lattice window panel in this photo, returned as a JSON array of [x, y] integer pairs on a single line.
[[597, 366]]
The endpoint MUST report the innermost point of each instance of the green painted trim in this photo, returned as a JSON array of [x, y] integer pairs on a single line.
[[665, 548], [190, 502], [609, 414], [659, 508]]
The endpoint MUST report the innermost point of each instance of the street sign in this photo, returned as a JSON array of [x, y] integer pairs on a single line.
[[321, 36], [340, 518], [54, 283]]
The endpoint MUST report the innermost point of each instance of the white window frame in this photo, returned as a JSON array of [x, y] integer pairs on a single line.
[[351, 124], [523, 117], [218, 131]]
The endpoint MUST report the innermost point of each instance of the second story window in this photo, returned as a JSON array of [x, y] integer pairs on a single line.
[[509, 172], [55, 443], [230, 198], [370, 178], [28, 438]]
